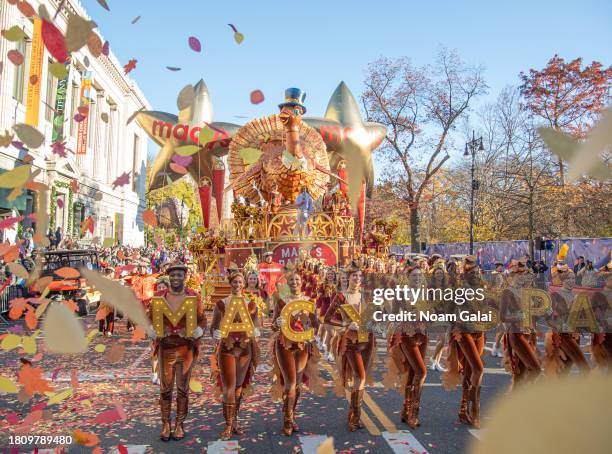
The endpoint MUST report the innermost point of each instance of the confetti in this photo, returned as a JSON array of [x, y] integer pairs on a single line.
[[149, 217], [195, 386], [60, 396], [136, 19], [32, 380], [77, 32], [121, 180], [54, 41], [85, 439], [130, 66], [63, 333], [103, 4], [185, 97], [14, 34], [10, 342], [15, 57], [100, 348], [59, 70], [16, 177], [7, 386], [29, 135], [194, 44], [257, 97]]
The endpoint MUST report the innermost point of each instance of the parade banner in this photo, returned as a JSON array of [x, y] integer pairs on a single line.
[[35, 79], [289, 252], [86, 83], [57, 135]]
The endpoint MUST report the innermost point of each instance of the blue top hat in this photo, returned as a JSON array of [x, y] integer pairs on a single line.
[[294, 97]]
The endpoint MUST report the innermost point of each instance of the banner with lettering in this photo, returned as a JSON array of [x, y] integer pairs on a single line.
[[35, 79], [86, 83], [57, 134]]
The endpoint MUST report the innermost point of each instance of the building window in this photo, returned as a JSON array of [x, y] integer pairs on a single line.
[[19, 74], [50, 97], [135, 161], [74, 104]]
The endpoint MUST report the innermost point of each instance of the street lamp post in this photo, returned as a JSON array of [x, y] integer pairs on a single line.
[[470, 149]]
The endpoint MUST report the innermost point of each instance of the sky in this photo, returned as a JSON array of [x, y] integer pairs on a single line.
[[316, 44]]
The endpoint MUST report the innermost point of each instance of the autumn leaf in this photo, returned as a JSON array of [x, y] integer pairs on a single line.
[[7, 386], [74, 185], [94, 44], [59, 70], [257, 97], [121, 180], [136, 19], [67, 272], [138, 334], [187, 150], [77, 32], [71, 305], [63, 333], [178, 168], [30, 319], [32, 380], [42, 283], [29, 135], [149, 217], [10, 342], [8, 222], [238, 37], [26, 9], [60, 396], [11, 254], [59, 148], [194, 44], [103, 4], [15, 57], [131, 65], [15, 33], [85, 439], [17, 305], [54, 41]]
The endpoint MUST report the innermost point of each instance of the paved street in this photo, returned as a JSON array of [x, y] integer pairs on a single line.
[[103, 387]]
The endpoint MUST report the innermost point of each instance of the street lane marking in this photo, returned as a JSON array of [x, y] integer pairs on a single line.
[[403, 442], [382, 417], [223, 447], [311, 443], [476, 432], [365, 418]]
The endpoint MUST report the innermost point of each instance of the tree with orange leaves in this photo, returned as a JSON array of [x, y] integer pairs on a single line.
[[568, 97]]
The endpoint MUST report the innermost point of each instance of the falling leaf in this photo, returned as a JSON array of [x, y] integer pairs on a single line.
[[33, 79], [136, 19], [26, 9], [10, 342], [194, 44], [238, 37], [14, 34], [77, 32], [99, 196], [121, 180], [79, 118], [31, 319], [206, 135], [54, 41], [178, 168], [185, 97], [62, 331], [29, 343], [108, 242], [85, 439], [87, 225], [103, 4], [250, 155], [187, 150], [11, 254], [60, 396], [182, 160], [60, 203], [15, 57], [32, 380], [67, 272], [94, 44], [59, 148], [173, 68], [149, 217], [138, 334], [130, 66], [18, 270], [106, 48], [43, 13], [86, 61], [41, 284], [195, 386], [104, 117], [7, 385], [115, 353], [120, 297], [8, 222], [59, 70], [100, 348], [16, 177], [6, 139], [29, 135], [257, 97]]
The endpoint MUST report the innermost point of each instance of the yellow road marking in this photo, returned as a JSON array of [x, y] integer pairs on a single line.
[[365, 418], [382, 417]]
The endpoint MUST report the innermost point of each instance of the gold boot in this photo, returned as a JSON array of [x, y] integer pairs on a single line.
[[228, 413]]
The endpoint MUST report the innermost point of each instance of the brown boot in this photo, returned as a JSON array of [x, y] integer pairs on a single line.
[[166, 406], [475, 406], [407, 402], [413, 416], [463, 410], [182, 406], [236, 425], [228, 414], [296, 428], [288, 415], [355, 422]]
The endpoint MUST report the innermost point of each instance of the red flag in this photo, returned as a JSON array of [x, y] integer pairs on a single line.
[[218, 179], [205, 198]]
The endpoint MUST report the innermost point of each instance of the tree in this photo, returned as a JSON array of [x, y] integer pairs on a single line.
[[568, 97], [420, 107]]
